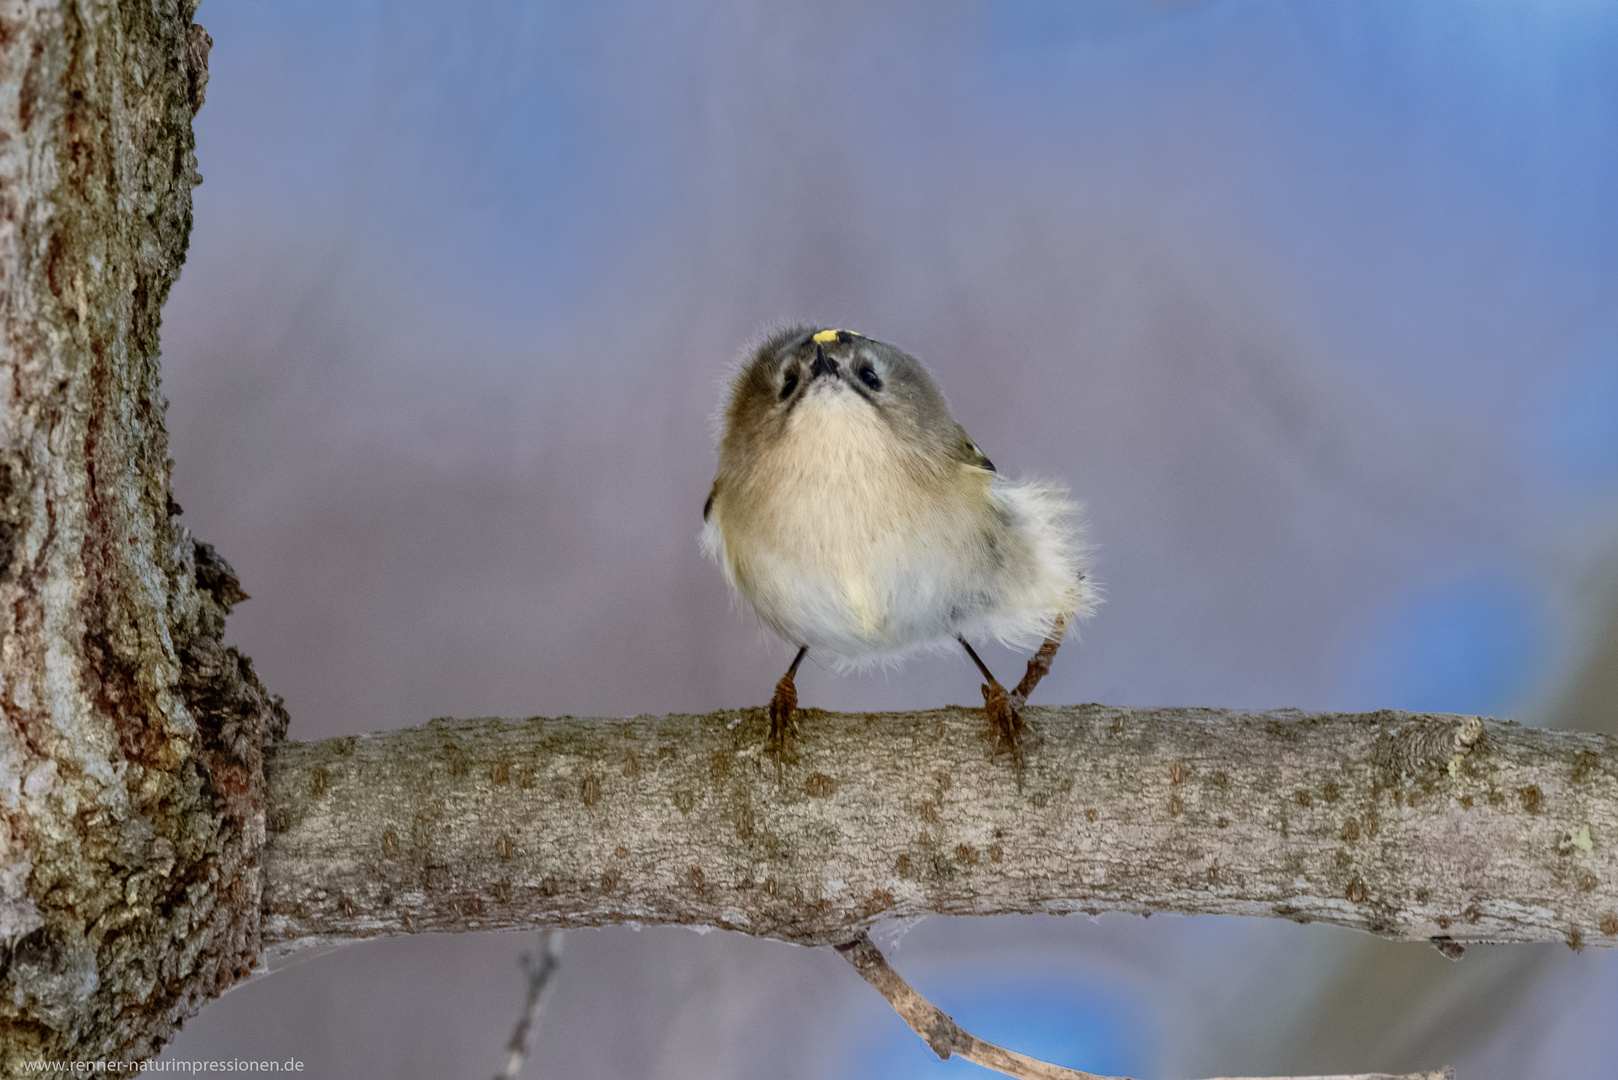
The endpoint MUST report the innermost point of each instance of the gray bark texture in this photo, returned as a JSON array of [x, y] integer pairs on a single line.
[[1416, 826], [131, 793]]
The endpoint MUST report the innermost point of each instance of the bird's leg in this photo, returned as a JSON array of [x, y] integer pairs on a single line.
[[1039, 665], [784, 709], [1003, 717]]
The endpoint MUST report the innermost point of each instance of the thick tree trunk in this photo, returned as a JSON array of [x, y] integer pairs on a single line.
[[1419, 826], [131, 802]]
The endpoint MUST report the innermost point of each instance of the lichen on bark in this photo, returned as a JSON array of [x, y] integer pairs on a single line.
[[131, 808]]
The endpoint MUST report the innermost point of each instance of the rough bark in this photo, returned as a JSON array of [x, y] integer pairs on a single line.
[[131, 802], [1416, 826]]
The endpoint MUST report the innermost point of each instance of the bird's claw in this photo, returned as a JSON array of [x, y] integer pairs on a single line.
[[1004, 722], [783, 718]]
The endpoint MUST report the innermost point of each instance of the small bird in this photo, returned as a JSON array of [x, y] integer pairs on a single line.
[[858, 519]]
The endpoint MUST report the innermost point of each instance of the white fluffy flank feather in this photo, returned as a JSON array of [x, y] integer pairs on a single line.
[[1055, 578]]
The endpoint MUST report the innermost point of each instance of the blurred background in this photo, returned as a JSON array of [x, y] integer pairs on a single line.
[[1314, 306]]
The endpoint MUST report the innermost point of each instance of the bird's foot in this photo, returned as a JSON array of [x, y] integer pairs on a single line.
[[1005, 724], [783, 718]]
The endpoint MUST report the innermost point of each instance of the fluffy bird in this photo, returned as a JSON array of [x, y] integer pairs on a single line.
[[858, 519]]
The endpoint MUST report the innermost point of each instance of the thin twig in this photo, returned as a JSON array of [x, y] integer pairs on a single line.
[[946, 1037], [539, 984]]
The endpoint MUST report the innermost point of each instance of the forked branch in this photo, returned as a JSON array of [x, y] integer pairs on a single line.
[[540, 975], [946, 1037]]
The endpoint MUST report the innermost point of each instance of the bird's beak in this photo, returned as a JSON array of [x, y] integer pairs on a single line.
[[823, 365]]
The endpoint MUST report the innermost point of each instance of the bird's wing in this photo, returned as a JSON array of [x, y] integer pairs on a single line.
[[969, 452]]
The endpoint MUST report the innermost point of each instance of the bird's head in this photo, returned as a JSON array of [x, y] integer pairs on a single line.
[[803, 375]]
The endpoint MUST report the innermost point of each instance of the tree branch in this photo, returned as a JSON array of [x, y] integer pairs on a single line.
[[945, 1037], [1414, 826], [540, 973]]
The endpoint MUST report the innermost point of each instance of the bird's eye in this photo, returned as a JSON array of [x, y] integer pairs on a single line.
[[789, 384], [869, 377]]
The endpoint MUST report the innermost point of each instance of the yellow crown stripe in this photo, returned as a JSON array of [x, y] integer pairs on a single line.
[[826, 337]]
